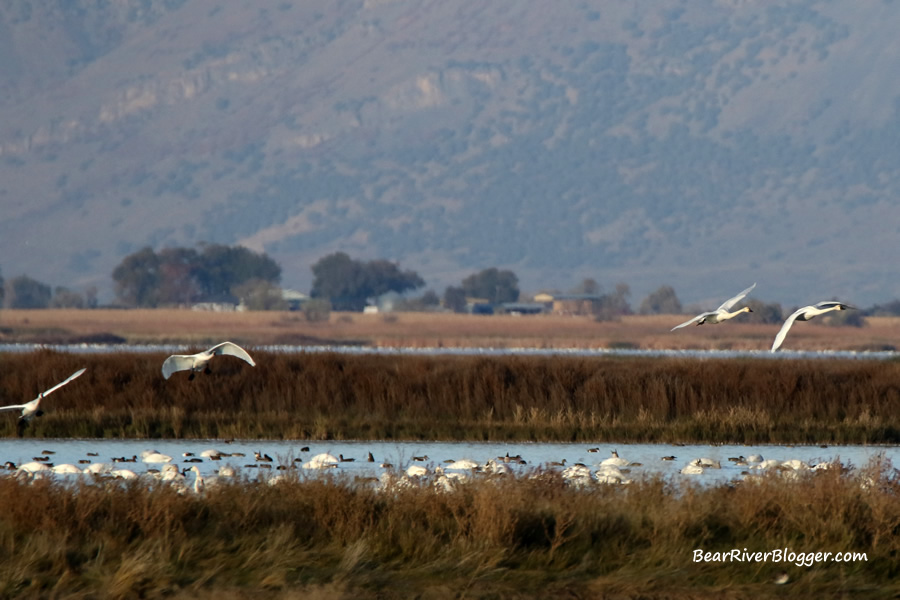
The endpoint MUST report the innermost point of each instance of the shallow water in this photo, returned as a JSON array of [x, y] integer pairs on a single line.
[[291, 349], [400, 455]]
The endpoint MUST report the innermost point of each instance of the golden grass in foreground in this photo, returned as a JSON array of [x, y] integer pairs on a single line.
[[502, 537], [431, 330], [539, 398]]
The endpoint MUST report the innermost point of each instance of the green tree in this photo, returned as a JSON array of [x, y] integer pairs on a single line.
[[762, 312], [184, 275], [610, 307], [220, 268], [587, 286], [455, 299], [65, 298], [348, 283], [317, 310], [25, 292], [137, 279], [259, 294], [427, 301], [493, 285], [662, 301], [178, 276]]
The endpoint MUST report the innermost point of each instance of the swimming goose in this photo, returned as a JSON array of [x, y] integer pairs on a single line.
[[720, 314], [33, 409], [196, 363], [805, 314]]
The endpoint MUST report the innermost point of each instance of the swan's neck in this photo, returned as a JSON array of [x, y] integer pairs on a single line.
[[730, 315]]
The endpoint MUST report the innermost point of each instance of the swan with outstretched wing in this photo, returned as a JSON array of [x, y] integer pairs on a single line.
[[720, 314], [195, 363]]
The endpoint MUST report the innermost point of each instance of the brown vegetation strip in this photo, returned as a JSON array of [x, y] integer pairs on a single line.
[[510, 538], [338, 396], [255, 328]]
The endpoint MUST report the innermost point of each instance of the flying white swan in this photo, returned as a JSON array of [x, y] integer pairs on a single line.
[[805, 314], [33, 409], [200, 361], [720, 314]]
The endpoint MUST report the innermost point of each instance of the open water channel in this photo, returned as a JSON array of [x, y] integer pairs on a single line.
[[292, 454]]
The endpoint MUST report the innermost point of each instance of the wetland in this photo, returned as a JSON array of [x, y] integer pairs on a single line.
[[529, 535]]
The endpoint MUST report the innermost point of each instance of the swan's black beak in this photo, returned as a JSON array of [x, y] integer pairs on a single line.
[[749, 309]]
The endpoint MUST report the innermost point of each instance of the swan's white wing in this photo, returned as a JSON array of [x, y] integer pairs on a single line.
[[787, 325], [74, 375], [232, 349], [732, 301], [12, 407], [177, 362], [694, 320]]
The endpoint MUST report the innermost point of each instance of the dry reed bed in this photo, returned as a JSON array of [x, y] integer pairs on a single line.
[[505, 537], [339, 396]]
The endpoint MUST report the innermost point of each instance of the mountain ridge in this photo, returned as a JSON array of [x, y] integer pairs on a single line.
[[703, 146]]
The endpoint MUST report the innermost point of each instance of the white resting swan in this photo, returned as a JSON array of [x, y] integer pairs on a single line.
[[805, 314], [721, 313], [200, 361], [33, 409]]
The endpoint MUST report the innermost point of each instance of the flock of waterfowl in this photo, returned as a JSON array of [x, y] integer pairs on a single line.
[[213, 467], [724, 312], [611, 470]]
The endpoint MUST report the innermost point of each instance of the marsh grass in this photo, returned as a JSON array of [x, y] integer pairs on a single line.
[[502, 398], [531, 536]]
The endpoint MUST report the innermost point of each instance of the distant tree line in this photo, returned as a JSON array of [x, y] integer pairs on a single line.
[[24, 292], [176, 276], [218, 273], [349, 284], [491, 285]]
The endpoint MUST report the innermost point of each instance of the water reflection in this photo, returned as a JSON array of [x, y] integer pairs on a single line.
[[241, 455]]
